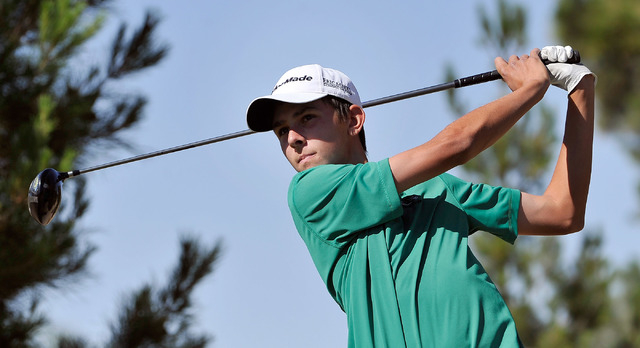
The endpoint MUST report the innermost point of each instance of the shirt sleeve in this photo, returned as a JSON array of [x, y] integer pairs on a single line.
[[335, 202], [488, 208]]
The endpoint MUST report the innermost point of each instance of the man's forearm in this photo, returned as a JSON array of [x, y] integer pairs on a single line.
[[572, 176], [469, 135], [463, 139], [561, 209]]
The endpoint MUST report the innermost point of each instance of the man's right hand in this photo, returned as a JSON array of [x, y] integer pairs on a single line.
[[524, 70]]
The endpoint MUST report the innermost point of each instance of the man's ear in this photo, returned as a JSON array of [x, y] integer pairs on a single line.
[[356, 119]]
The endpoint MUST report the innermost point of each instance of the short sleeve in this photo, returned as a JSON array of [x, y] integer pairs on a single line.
[[488, 208], [334, 202]]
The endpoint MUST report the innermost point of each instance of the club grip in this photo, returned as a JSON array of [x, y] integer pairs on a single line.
[[575, 59], [494, 75], [475, 79]]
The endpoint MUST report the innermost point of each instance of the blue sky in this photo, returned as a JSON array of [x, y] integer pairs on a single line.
[[265, 291]]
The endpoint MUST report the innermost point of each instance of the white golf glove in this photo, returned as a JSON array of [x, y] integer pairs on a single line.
[[565, 76]]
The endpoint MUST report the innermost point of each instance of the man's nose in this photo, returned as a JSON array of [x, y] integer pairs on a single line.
[[295, 138]]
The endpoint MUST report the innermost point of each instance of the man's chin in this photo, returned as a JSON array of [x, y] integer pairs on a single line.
[[300, 167]]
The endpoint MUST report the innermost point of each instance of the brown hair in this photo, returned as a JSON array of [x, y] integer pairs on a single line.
[[342, 107]]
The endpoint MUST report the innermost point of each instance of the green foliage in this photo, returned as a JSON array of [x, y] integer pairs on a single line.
[[517, 160], [582, 293], [71, 342], [558, 302], [162, 318], [606, 32], [503, 163], [52, 112], [508, 30], [61, 31], [626, 306]]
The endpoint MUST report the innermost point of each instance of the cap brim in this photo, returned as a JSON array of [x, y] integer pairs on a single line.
[[260, 111]]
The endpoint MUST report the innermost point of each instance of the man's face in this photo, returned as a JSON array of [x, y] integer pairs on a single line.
[[311, 134]]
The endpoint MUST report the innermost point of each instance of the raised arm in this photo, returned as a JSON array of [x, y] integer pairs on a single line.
[[474, 132], [561, 209]]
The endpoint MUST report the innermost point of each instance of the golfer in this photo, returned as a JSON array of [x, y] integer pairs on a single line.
[[390, 238]]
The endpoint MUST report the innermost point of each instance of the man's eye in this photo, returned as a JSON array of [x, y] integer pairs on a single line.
[[282, 131], [306, 118]]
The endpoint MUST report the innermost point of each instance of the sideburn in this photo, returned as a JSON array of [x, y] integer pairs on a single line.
[[342, 107]]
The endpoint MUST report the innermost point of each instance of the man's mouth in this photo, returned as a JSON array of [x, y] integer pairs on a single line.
[[304, 158]]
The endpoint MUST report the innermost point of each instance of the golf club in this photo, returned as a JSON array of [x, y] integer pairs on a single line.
[[46, 189]]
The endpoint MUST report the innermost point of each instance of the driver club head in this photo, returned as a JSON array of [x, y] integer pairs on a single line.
[[45, 193]]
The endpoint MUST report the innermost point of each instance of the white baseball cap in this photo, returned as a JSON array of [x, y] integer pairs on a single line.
[[300, 85]]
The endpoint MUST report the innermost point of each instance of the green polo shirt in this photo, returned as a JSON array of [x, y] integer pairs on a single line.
[[399, 265]]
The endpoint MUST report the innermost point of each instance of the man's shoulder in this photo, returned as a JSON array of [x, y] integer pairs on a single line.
[[335, 181], [323, 170], [334, 172], [439, 183]]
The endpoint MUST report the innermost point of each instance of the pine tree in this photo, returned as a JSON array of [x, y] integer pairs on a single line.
[[606, 32], [162, 318], [517, 160], [54, 109], [579, 294]]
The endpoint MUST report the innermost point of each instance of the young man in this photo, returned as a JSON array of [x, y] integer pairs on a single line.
[[389, 238]]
